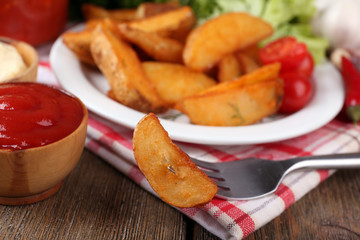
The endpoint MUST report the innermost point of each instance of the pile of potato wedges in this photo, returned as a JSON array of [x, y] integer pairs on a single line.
[[156, 57]]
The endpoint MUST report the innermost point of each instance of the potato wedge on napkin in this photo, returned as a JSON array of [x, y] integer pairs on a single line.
[[210, 42], [175, 81], [122, 68], [243, 101], [170, 172]]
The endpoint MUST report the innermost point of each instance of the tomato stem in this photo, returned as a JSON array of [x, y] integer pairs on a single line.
[[353, 113], [351, 79]]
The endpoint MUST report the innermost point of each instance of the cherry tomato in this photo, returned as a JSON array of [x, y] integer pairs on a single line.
[[287, 50], [297, 92], [306, 67]]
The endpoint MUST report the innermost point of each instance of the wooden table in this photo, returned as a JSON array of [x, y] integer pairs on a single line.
[[98, 202]]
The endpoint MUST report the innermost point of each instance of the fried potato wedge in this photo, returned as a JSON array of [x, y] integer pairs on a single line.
[[248, 64], [235, 107], [264, 73], [79, 44], [174, 81], [216, 38], [229, 68], [243, 101], [169, 170], [92, 24], [91, 11], [149, 9], [253, 52], [160, 48], [175, 24], [122, 68]]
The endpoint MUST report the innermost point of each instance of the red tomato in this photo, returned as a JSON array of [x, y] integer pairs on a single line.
[[287, 50], [297, 92], [306, 67]]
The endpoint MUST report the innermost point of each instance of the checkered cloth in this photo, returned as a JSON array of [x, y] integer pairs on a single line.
[[226, 219]]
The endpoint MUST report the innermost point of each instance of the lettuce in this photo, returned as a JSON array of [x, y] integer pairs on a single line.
[[207, 9], [280, 12], [293, 17]]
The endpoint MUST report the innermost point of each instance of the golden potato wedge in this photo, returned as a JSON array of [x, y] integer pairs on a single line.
[[92, 24], [169, 170], [159, 48], [243, 101], [175, 24], [264, 73], [122, 68], [248, 64], [91, 11], [174, 81], [234, 107], [229, 68], [216, 38], [253, 52], [149, 9], [79, 44]]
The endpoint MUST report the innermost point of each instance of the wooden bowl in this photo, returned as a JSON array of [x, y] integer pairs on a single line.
[[33, 174], [30, 57]]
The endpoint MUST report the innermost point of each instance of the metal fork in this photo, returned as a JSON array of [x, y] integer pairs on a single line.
[[252, 177]]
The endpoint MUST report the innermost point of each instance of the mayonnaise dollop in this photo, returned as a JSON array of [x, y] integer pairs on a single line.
[[11, 63]]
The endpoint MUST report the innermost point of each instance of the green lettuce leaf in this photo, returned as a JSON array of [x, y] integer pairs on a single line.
[[280, 12]]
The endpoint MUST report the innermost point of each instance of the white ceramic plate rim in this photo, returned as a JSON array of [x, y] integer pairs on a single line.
[[323, 107]]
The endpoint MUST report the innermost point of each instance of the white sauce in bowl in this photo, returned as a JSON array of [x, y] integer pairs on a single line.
[[11, 62]]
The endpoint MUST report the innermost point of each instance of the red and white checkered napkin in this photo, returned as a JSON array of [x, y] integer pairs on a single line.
[[227, 219], [233, 219]]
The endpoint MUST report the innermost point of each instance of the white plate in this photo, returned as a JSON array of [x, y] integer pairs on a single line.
[[91, 87]]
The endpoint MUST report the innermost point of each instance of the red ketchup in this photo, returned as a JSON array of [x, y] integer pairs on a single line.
[[33, 115], [34, 21]]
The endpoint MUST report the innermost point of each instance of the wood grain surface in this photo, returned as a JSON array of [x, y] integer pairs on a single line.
[[98, 202]]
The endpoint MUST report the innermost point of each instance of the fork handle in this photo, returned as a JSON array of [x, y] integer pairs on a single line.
[[331, 161]]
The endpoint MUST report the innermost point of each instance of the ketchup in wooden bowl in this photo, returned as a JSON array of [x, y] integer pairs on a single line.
[[42, 136], [33, 115]]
